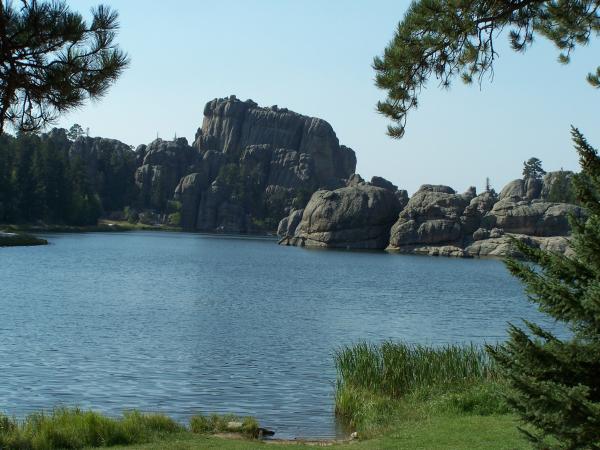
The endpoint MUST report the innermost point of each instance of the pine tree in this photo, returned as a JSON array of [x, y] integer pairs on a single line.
[[52, 60], [532, 169], [555, 383], [75, 132], [6, 179], [444, 39]]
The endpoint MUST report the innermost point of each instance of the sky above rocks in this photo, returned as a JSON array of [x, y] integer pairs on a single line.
[[314, 57]]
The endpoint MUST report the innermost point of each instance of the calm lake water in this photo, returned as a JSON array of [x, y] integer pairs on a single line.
[[186, 323]]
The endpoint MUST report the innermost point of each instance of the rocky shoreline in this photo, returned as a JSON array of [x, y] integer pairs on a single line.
[[435, 221], [249, 166]]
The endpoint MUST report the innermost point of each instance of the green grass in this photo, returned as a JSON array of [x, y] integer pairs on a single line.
[[382, 388], [73, 429], [436, 433], [396, 370], [215, 423], [395, 395]]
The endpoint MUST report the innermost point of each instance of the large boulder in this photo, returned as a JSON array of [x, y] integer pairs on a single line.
[[432, 216], [503, 246], [357, 217], [188, 192], [478, 207], [383, 183], [529, 189], [536, 218], [287, 225]]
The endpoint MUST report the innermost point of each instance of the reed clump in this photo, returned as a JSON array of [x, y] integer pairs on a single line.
[[73, 428], [376, 383], [396, 369], [67, 428]]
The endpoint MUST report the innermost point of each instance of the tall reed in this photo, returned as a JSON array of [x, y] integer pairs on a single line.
[[396, 369], [74, 429]]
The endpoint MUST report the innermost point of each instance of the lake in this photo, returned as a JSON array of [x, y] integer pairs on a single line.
[[184, 323]]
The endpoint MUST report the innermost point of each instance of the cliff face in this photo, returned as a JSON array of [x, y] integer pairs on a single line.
[[438, 221], [231, 126], [250, 166], [254, 164], [247, 167], [162, 164]]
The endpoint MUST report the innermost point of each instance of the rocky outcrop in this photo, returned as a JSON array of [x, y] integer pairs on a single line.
[[354, 217], [535, 218], [501, 246], [432, 216], [230, 126], [558, 187], [164, 164], [257, 164], [288, 225], [523, 189], [436, 222]]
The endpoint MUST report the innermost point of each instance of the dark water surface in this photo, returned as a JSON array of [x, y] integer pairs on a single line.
[[182, 323]]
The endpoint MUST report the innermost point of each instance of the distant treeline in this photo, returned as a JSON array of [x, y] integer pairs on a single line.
[[52, 178]]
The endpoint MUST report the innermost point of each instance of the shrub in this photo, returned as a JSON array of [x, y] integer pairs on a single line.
[[74, 429]]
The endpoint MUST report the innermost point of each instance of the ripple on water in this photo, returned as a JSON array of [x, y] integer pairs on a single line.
[[185, 323]]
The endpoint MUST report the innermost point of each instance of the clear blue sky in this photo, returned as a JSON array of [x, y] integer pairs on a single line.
[[315, 57]]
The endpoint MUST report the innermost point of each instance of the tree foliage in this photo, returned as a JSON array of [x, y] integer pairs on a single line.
[[555, 382], [449, 38], [75, 132], [562, 190], [532, 169], [44, 177], [52, 60]]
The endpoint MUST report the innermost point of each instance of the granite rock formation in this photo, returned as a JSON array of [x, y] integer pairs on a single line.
[[437, 220], [485, 226], [163, 164], [255, 165], [358, 216]]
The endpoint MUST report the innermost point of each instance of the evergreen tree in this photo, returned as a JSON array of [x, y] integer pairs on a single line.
[[562, 190], [52, 60], [6, 179], [445, 39], [24, 182], [84, 205], [532, 169], [76, 131], [556, 382]]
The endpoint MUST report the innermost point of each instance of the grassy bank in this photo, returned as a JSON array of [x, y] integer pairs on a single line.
[[75, 429], [395, 396], [396, 389]]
